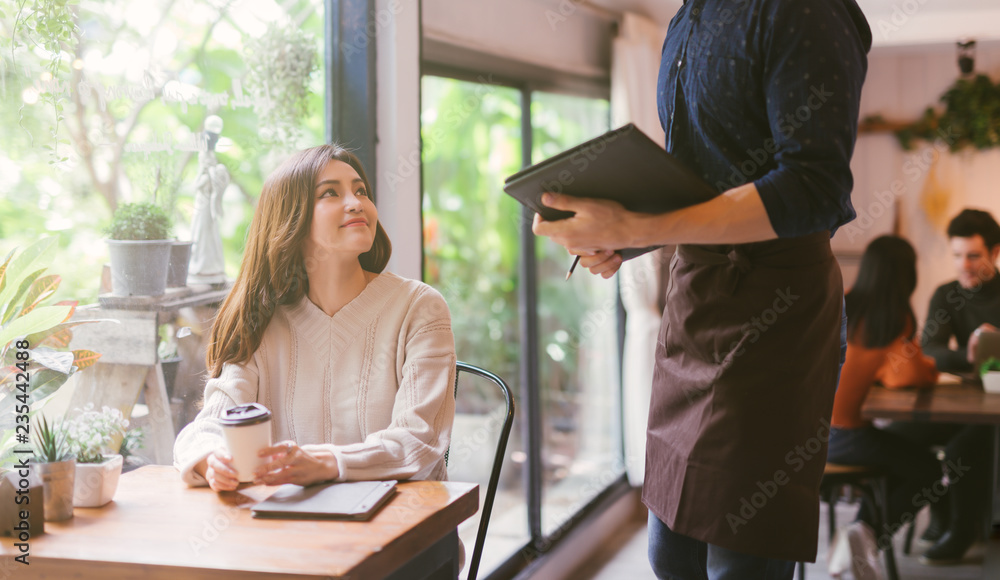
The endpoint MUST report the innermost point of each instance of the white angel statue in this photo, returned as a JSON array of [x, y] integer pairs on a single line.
[[208, 265]]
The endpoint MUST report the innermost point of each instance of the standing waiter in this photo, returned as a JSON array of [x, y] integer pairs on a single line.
[[760, 97]]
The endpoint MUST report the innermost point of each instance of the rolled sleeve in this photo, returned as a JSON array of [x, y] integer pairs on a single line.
[[814, 69]]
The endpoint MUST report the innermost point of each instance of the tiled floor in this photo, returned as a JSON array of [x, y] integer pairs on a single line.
[[626, 557]]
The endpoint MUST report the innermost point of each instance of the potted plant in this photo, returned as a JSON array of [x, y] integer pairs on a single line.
[[140, 249], [91, 436], [34, 362], [177, 269], [34, 337], [57, 466], [990, 373]]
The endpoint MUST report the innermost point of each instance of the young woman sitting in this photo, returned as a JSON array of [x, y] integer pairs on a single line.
[[881, 348], [356, 365]]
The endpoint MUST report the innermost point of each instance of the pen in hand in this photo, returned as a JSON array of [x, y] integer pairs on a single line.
[[576, 261]]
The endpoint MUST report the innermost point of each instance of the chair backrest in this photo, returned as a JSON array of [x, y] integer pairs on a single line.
[[491, 488]]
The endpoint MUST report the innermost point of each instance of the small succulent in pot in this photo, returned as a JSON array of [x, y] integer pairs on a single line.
[[50, 442]]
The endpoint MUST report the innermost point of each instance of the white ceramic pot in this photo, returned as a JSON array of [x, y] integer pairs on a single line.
[[991, 382], [96, 482]]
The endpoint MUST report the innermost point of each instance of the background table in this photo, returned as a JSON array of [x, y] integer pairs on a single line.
[[947, 404], [158, 528]]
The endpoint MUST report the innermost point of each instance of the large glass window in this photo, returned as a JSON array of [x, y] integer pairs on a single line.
[[578, 358], [472, 139]]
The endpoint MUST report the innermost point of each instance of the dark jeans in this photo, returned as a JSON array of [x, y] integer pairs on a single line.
[[677, 557], [968, 451], [914, 473]]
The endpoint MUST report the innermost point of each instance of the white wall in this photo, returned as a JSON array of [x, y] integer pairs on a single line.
[[901, 83], [397, 150]]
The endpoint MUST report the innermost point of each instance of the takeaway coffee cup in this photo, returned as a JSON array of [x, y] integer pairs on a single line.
[[247, 429]]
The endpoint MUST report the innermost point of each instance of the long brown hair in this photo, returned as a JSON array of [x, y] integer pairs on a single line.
[[273, 270], [878, 306]]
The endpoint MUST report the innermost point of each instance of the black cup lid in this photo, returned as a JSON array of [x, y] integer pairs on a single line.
[[248, 414]]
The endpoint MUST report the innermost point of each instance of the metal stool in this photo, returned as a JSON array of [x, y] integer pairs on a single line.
[[872, 484]]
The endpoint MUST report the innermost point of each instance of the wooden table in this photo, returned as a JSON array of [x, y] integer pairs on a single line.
[[158, 528], [965, 403]]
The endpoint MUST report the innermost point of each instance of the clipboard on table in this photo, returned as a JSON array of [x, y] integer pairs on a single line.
[[356, 500], [622, 165]]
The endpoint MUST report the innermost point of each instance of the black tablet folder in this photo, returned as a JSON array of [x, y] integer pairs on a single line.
[[623, 165], [356, 500]]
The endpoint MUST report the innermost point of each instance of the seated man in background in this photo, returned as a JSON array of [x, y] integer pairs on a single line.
[[961, 309], [971, 304]]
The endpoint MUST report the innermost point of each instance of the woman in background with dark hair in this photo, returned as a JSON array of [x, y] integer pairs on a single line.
[[356, 365], [881, 348]]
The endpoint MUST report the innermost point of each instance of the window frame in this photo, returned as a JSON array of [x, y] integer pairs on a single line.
[[533, 554]]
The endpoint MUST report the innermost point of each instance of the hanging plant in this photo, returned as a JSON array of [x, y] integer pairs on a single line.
[[46, 31], [971, 117], [279, 66]]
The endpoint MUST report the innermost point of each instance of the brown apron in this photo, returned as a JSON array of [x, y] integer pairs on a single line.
[[746, 370]]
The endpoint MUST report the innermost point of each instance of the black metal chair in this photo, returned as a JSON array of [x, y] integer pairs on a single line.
[[871, 483], [491, 489]]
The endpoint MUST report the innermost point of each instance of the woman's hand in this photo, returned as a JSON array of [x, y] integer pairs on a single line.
[[291, 463], [219, 471]]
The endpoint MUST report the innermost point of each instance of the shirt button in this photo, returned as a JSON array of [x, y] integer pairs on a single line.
[[680, 63], [695, 11]]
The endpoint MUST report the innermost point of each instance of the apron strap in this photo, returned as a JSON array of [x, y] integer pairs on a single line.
[[736, 261]]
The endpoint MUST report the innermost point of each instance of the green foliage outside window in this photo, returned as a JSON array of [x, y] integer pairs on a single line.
[[471, 137], [103, 102]]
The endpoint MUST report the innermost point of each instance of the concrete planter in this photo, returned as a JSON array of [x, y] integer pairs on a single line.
[[57, 484], [177, 271], [96, 483], [139, 268]]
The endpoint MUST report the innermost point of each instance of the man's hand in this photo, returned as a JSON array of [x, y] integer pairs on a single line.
[[598, 225], [973, 345], [603, 264], [291, 463]]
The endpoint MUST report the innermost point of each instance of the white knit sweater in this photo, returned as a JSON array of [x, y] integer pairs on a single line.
[[375, 382]]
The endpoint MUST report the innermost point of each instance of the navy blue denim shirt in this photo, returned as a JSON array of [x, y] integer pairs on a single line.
[[768, 91]]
